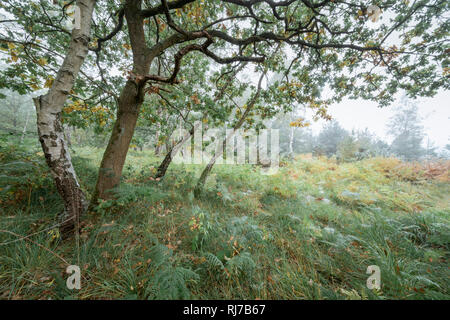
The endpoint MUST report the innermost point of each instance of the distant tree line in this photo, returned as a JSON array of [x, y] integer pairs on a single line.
[[409, 141]]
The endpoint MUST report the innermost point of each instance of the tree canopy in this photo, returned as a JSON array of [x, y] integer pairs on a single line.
[[325, 44], [219, 61]]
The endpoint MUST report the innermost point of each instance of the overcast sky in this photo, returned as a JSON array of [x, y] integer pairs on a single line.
[[361, 114]]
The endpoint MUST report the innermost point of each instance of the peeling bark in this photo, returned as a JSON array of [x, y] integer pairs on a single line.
[[158, 129], [50, 127]]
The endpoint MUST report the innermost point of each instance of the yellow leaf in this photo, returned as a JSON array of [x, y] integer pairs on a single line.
[[49, 82], [14, 57], [42, 62]]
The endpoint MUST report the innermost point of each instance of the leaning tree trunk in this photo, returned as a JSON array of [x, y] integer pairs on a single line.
[[115, 154], [50, 127], [68, 135], [129, 105], [162, 169], [205, 173], [158, 133], [202, 180]]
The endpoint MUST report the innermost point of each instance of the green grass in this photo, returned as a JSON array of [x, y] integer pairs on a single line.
[[308, 232]]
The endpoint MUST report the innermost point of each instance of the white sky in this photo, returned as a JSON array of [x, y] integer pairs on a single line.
[[361, 114]]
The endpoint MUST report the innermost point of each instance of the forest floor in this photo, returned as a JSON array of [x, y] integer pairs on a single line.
[[308, 232]]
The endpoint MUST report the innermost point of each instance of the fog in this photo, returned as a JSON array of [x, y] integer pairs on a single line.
[[361, 114]]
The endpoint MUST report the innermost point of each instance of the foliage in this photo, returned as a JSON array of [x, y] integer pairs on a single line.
[[352, 56], [22, 174], [308, 231], [405, 126], [329, 138], [287, 244]]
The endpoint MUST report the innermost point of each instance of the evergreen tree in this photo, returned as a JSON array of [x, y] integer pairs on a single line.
[[406, 128], [329, 138]]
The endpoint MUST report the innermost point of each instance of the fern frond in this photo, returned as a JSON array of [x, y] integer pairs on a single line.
[[213, 262]]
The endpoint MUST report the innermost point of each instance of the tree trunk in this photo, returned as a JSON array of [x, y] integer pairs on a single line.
[[291, 141], [157, 145], [202, 180], [15, 113], [115, 154], [129, 105], [168, 144], [205, 173], [25, 127], [158, 133], [161, 172], [50, 128]]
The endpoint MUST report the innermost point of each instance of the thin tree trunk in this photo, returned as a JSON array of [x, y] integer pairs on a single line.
[[291, 141], [202, 180], [25, 127], [50, 128], [162, 169], [15, 113], [205, 173], [158, 133]]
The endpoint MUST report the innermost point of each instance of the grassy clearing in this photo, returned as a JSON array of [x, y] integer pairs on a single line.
[[308, 232]]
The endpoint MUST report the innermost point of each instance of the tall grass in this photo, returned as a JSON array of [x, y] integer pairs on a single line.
[[308, 232]]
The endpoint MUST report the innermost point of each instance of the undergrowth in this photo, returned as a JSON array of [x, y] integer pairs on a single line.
[[308, 232]]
